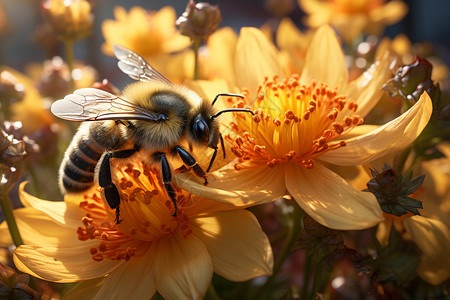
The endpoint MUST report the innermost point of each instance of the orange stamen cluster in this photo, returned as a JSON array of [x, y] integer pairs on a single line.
[[292, 123], [145, 210]]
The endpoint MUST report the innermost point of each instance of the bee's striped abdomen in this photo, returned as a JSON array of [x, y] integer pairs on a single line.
[[78, 167]]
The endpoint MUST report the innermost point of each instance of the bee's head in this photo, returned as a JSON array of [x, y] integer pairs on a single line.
[[202, 130], [204, 127]]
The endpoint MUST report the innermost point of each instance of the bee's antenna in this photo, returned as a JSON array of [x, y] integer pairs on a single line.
[[230, 110], [225, 94]]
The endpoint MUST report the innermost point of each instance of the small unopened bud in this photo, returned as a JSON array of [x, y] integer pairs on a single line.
[[11, 90], [14, 151], [412, 80], [69, 19], [106, 86], [393, 190], [15, 286], [199, 20], [54, 80]]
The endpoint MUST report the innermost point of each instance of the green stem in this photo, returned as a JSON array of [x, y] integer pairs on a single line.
[[306, 276], [294, 227], [9, 217], [35, 183], [196, 47], [68, 44]]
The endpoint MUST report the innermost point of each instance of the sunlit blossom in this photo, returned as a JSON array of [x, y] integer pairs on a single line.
[[351, 18], [299, 129], [69, 19], [149, 251], [153, 35], [294, 43]]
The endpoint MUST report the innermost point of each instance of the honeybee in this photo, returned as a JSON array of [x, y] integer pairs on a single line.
[[152, 116]]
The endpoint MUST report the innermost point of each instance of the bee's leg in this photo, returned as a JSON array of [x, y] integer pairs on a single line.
[[182, 169], [223, 146], [213, 157], [190, 161], [167, 179], [105, 180]]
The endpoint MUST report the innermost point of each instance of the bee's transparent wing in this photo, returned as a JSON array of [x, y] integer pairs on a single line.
[[136, 67], [91, 104]]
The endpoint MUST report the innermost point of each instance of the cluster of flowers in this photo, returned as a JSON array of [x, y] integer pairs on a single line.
[[338, 130]]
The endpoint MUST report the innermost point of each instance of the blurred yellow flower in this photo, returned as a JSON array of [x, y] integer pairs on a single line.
[[430, 230], [153, 35], [149, 251], [300, 128], [70, 19], [31, 110], [294, 43], [351, 17]]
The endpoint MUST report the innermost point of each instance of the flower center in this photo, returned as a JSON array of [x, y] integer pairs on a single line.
[[146, 212], [292, 123]]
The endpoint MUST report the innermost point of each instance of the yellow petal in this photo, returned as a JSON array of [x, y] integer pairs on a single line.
[[220, 61], [56, 210], [319, 11], [325, 61], [330, 200], [366, 89], [384, 231], [256, 58], [182, 267], [84, 290], [391, 137], [433, 239], [238, 247], [62, 263], [390, 13], [349, 26], [36, 227], [134, 279], [239, 188]]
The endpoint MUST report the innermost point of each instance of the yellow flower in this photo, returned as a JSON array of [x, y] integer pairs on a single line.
[[351, 18], [294, 43], [152, 34], [149, 251], [70, 19], [431, 230], [302, 125], [31, 110]]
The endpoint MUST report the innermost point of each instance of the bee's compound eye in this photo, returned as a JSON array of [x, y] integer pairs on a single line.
[[201, 131]]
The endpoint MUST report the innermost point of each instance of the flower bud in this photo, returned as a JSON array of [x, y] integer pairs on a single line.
[[15, 286], [11, 90], [54, 80], [393, 189], [412, 80], [199, 20], [106, 86], [70, 19]]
